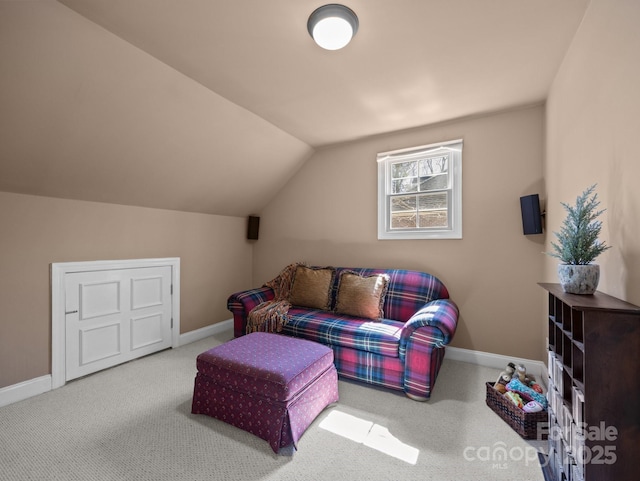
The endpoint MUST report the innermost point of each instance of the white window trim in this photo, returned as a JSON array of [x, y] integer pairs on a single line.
[[384, 179]]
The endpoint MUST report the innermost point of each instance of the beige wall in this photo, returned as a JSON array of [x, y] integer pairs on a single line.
[[327, 214], [593, 122], [37, 231]]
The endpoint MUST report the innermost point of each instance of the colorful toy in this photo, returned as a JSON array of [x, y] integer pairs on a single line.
[[503, 379], [536, 387], [506, 375], [532, 407], [515, 385], [514, 398], [511, 369]]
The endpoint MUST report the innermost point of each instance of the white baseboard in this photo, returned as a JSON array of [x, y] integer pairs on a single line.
[[33, 387], [24, 390], [497, 361], [213, 329]]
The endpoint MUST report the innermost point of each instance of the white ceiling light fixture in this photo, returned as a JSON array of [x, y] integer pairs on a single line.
[[332, 26]]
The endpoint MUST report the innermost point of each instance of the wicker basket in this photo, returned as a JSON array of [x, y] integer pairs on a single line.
[[525, 424]]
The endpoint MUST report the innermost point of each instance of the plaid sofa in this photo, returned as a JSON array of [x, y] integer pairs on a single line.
[[403, 351]]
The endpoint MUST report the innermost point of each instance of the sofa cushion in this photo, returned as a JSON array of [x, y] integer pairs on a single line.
[[311, 287], [361, 296], [379, 337]]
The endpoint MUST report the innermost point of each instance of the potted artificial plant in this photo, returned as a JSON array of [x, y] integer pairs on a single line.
[[577, 245]]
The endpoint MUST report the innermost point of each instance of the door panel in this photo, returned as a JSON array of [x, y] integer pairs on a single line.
[[99, 299], [146, 292], [99, 343], [146, 331]]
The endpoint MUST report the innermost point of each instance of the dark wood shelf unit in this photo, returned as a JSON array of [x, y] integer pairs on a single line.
[[594, 387]]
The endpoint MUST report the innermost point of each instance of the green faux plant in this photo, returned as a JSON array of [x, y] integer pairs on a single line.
[[578, 242]]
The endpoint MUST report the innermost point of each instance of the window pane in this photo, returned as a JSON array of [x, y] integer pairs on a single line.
[[432, 201], [403, 186], [403, 203], [434, 165], [435, 182], [433, 218], [403, 221], [403, 169]]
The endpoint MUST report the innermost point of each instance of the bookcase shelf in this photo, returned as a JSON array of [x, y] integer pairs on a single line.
[[594, 387]]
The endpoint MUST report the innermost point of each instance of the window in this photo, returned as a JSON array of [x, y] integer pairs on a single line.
[[420, 192]]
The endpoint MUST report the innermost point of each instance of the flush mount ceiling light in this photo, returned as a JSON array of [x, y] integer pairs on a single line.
[[332, 26]]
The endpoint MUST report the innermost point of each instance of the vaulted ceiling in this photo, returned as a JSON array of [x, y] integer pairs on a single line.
[[212, 105]]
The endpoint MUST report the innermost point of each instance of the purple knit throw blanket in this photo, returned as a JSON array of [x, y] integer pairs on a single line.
[[270, 316]]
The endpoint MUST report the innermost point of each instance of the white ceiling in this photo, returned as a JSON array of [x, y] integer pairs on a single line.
[[212, 105]]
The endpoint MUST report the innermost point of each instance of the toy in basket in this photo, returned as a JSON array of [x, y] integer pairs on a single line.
[[518, 399]]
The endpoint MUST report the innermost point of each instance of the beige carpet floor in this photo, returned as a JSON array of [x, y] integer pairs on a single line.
[[133, 422]]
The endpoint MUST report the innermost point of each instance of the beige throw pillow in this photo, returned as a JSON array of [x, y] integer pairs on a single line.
[[311, 287], [361, 296]]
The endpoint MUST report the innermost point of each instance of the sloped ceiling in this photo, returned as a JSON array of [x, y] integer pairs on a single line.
[[211, 105]]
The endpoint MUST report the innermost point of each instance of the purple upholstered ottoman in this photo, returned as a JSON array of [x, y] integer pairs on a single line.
[[270, 385]]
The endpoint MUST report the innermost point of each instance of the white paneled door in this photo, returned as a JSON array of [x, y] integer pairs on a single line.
[[113, 316]]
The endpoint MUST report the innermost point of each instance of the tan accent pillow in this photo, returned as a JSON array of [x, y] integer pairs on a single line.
[[311, 287], [361, 296]]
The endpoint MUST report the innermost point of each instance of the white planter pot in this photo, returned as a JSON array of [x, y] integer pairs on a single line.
[[579, 279]]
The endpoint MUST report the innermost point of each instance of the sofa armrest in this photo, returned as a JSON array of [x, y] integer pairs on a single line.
[[241, 303], [244, 301], [440, 316]]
